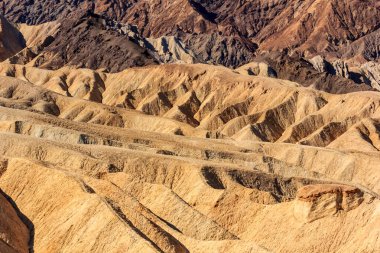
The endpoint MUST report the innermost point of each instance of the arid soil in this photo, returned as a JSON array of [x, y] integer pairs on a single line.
[[160, 159], [189, 126]]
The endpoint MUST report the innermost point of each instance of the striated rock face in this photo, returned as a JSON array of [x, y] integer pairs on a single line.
[[317, 201]]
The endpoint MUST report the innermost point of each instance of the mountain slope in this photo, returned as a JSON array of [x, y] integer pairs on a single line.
[[254, 109], [154, 184], [189, 126], [85, 41], [11, 40], [299, 23], [231, 33]]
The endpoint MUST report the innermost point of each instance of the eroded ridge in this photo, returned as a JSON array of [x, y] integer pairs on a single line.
[[157, 159]]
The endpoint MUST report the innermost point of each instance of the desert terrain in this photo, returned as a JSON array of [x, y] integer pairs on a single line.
[[122, 134]]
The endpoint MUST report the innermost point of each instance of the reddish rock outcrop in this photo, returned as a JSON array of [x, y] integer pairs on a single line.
[[318, 201]]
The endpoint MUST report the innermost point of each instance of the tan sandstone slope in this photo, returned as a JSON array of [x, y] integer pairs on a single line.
[[219, 102], [188, 158]]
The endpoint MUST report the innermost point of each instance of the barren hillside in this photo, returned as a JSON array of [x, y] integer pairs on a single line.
[[287, 35], [217, 160], [189, 126], [308, 26]]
